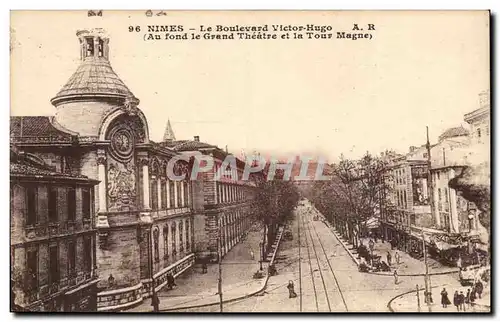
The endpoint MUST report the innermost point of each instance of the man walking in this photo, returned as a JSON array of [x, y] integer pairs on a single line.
[[389, 258], [396, 277], [461, 300], [398, 258]]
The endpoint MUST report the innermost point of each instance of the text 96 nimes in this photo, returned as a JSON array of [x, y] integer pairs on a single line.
[[255, 32]]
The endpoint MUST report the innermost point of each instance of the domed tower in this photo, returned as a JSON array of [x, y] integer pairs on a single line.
[[93, 90]]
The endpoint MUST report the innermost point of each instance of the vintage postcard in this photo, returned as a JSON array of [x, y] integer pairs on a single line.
[[250, 161]]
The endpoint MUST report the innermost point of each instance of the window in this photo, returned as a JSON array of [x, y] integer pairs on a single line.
[[440, 201], [446, 201], [181, 239], [163, 194], [186, 193], [86, 203], [218, 193], [187, 236], [179, 194], [32, 269], [165, 241], [404, 199], [52, 202], [154, 194], [479, 132], [31, 197], [172, 193], [90, 46], [71, 202], [53, 264], [426, 155], [156, 238], [174, 249], [87, 253], [71, 259], [101, 48]]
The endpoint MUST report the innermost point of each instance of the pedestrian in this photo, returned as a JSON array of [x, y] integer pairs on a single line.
[[396, 277], [467, 299], [472, 298], [398, 258], [461, 299], [170, 281], [445, 301], [155, 302], [291, 290], [479, 288], [389, 258], [252, 254], [204, 268], [456, 300]]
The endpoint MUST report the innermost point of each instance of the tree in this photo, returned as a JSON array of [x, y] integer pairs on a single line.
[[355, 194], [275, 202]]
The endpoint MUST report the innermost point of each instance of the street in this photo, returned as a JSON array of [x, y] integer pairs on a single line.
[[329, 280]]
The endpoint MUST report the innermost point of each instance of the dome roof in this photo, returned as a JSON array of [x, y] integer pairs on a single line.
[[94, 77]]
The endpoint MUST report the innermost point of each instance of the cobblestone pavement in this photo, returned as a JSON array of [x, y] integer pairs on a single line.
[[350, 290], [195, 288]]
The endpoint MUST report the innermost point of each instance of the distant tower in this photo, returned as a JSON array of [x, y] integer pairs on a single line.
[[169, 135], [94, 88]]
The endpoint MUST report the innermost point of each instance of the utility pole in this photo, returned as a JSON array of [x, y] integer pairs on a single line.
[[219, 254], [151, 269], [300, 262], [428, 295]]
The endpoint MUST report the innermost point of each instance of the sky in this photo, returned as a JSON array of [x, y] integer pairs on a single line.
[[280, 97]]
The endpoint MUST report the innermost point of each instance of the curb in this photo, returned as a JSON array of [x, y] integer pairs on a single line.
[[423, 289], [280, 234], [345, 247], [389, 274]]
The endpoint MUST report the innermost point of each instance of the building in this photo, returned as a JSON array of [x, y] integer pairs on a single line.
[[479, 120], [148, 224], [221, 206], [144, 220], [53, 239]]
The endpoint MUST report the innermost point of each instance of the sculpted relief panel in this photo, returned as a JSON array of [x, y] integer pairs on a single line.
[[121, 171]]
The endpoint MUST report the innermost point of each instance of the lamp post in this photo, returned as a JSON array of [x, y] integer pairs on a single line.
[[151, 270]]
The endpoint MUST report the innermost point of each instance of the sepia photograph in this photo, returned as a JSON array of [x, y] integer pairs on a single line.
[[168, 161]]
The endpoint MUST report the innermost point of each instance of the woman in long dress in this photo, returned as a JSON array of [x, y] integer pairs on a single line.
[[445, 301]]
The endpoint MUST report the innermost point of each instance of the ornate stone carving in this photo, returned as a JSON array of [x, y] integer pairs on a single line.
[[144, 160], [130, 106], [121, 186], [122, 143], [101, 157]]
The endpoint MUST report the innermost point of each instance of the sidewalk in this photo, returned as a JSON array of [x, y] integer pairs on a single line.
[[197, 289], [408, 265], [407, 302]]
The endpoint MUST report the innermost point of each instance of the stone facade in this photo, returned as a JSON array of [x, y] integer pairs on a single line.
[[147, 225], [53, 262]]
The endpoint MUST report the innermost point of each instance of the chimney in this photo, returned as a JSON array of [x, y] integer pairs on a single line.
[[197, 138]]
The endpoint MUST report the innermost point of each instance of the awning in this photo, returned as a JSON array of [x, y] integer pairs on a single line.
[[372, 223]]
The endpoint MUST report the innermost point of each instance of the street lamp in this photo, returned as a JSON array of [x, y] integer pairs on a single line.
[[470, 217]]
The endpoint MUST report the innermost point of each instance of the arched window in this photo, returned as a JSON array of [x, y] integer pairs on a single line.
[[181, 233], [156, 237], [187, 236], [165, 241], [163, 194]]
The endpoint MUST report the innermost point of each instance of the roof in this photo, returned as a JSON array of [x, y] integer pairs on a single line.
[[38, 128], [188, 145], [454, 132], [23, 166], [94, 76]]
